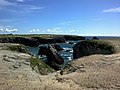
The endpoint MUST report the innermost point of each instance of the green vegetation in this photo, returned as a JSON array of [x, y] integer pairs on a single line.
[[18, 48], [46, 36], [40, 66], [107, 46]]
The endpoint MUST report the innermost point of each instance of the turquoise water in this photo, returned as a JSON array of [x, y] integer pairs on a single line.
[[68, 56], [67, 53]]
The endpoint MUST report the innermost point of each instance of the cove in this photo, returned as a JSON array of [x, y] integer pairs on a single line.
[[67, 53]]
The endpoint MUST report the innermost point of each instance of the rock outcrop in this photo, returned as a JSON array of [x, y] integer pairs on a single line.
[[49, 40], [30, 41], [94, 72], [57, 47], [53, 58], [70, 37], [35, 40], [90, 47], [21, 40]]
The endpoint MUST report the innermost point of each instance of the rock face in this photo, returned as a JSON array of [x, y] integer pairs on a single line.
[[53, 58], [50, 40], [35, 40], [57, 47], [30, 41], [67, 37], [90, 47], [42, 50], [94, 72], [21, 40]]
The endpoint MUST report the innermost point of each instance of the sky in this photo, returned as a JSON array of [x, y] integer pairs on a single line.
[[73, 17]]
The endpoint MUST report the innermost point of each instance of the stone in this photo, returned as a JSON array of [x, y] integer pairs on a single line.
[[42, 50], [54, 56], [54, 60], [57, 47]]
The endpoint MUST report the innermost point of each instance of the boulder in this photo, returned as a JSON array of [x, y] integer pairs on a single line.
[[53, 58], [90, 47], [42, 50]]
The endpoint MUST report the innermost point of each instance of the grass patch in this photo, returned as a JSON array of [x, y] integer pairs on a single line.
[[44, 36], [101, 45], [40, 66], [18, 48], [90, 47]]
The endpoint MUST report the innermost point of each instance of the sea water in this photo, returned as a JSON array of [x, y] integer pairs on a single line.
[[67, 53]]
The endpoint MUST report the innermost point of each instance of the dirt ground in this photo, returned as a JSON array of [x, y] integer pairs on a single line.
[[95, 72]]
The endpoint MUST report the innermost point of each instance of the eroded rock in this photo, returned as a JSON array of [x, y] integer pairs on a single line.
[[53, 58]]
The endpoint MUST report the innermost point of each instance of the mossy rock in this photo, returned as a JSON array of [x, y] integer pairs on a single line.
[[89, 47], [39, 66]]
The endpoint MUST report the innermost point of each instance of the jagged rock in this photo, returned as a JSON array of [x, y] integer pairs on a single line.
[[20, 40], [53, 58], [49, 40], [57, 47], [59, 40], [42, 50], [37, 40]]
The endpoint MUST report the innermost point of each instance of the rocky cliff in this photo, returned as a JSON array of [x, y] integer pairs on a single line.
[[35, 40], [90, 47], [22, 40], [94, 72]]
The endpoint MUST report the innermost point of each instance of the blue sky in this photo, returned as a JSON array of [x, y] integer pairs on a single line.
[[77, 17]]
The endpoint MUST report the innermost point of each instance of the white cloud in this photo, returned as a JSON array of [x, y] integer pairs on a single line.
[[9, 20], [22, 8], [8, 30], [72, 31], [55, 30], [113, 10], [20, 0], [5, 3], [11, 30], [1, 30], [35, 7], [35, 31]]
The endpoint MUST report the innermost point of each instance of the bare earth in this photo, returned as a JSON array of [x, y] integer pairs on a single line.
[[95, 72]]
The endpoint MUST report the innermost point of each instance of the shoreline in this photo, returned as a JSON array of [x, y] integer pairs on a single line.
[[89, 72]]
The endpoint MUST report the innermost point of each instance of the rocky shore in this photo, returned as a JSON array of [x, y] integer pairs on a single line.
[[35, 40], [91, 72]]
